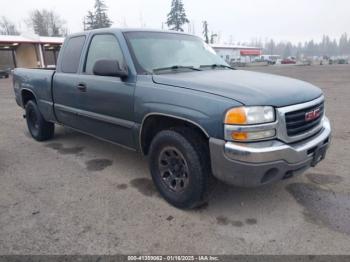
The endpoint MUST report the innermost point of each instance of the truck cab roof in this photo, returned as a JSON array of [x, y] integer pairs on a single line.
[[125, 30]]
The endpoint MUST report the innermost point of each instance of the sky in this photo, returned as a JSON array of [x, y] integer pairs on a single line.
[[234, 20]]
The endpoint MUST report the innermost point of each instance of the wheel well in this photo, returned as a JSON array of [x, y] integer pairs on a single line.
[[27, 96], [156, 123]]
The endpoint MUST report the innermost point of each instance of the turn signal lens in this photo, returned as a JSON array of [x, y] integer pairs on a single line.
[[252, 136], [236, 116], [239, 136], [250, 115]]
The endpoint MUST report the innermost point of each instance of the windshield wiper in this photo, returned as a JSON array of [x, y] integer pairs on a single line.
[[217, 66], [175, 67]]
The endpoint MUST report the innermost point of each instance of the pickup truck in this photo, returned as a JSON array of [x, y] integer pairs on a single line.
[[169, 96]]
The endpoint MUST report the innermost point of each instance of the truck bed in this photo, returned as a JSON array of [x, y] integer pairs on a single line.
[[39, 82]]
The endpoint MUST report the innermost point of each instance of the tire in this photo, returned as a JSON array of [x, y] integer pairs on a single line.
[[38, 127], [190, 182]]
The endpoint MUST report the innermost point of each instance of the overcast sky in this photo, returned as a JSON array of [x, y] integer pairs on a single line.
[[239, 20]]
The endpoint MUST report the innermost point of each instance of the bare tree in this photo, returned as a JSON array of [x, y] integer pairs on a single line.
[[206, 31], [47, 23], [270, 47], [7, 27], [212, 37]]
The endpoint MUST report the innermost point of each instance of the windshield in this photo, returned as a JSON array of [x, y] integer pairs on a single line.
[[155, 51]]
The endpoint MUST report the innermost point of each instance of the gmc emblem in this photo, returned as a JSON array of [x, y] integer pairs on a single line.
[[312, 115]]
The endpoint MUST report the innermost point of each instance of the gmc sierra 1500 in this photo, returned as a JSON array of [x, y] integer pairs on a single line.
[[170, 97]]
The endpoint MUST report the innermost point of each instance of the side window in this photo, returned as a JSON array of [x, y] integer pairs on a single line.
[[103, 47], [72, 53]]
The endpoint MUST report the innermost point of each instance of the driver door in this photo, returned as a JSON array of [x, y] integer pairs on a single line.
[[106, 103]]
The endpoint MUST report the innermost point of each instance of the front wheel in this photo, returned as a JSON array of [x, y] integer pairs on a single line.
[[180, 167], [38, 127]]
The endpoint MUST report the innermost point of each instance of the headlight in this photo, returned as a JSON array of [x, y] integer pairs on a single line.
[[250, 115], [250, 123]]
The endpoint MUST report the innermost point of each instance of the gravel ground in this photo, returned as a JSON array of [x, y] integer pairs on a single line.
[[78, 195]]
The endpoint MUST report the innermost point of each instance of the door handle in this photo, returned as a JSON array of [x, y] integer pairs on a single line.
[[82, 87]]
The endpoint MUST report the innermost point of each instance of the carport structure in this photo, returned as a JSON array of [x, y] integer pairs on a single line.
[[29, 51]]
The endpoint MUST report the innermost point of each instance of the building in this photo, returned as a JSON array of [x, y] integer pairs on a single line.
[[28, 51], [235, 53]]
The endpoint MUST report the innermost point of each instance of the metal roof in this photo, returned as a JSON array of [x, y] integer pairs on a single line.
[[227, 46], [31, 39]]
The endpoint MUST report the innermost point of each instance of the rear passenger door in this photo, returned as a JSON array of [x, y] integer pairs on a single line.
[[66, 94]]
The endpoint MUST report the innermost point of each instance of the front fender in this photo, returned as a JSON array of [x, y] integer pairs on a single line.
[[202, 109]]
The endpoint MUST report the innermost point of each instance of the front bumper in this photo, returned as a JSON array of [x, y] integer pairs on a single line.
[[260, 163]]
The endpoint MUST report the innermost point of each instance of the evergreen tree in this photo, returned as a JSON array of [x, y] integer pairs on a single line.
[[206, 32], [89, 21], [177, 16], [101, 17], [97, 18]]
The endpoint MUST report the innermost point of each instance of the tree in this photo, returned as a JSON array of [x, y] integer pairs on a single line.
[[206, 31], [343, 44], [7, 27], [270, 47], [288, 50], [97, 18], [39, 23], [327, 47], [177, 16], [101, 17], [55, 25], [212, 37], [89, 21], [46, 23]]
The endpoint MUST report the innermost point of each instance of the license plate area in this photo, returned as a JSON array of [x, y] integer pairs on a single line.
[[319, 155]]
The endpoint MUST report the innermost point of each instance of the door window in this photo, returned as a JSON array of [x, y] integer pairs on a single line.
[[103, 47], [71, 54]]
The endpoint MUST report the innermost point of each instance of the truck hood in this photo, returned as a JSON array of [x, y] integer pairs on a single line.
[[248, 88]]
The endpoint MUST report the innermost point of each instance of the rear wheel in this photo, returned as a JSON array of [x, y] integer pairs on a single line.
[[38, 127], [180, 167]]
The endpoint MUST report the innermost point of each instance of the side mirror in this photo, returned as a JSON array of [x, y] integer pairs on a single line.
[[105, 67]]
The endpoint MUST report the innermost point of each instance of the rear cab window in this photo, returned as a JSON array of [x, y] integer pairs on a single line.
[[72, 54]]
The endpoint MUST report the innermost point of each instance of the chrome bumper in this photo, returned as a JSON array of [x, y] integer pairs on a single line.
[[254, 164]]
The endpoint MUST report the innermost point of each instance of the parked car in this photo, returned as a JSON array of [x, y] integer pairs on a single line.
[[305, 62], [343, 61], [270, 59], [288, 61], [4, 73], [169, 96]]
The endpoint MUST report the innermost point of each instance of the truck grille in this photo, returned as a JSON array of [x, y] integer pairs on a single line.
[[296, 122]]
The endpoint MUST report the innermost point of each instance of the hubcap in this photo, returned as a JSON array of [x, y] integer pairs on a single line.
[[173, 169]]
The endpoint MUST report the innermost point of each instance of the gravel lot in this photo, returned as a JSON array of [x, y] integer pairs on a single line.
[[78, 195]]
